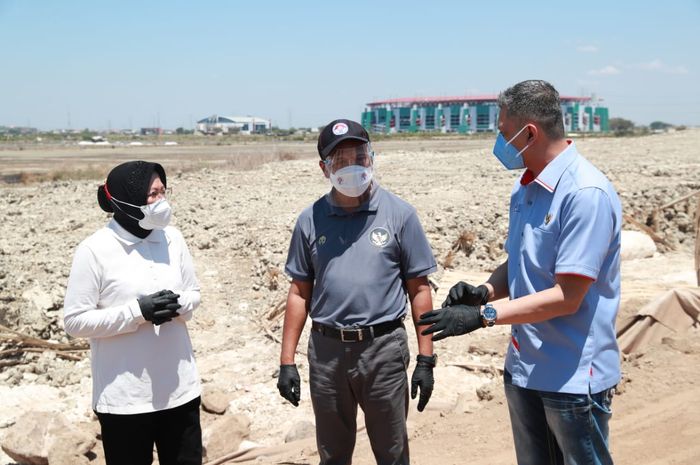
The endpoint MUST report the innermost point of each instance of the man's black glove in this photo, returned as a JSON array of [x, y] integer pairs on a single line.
[[466, 294], [160, 307], [451, 321], [423, 378], [289, 384]]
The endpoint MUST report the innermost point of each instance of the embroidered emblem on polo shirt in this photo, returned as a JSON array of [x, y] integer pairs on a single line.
[[547, 218], [321, 240], [379, 237]]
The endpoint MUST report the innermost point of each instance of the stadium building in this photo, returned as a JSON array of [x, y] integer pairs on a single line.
[[470, 114], [216, 124]]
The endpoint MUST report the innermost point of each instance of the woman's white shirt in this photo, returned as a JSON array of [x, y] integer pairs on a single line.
[[137, 367]]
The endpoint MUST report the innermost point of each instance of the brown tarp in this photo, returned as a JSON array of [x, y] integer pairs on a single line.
[[673, 312]]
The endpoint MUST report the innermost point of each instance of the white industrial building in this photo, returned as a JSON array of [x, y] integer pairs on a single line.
[[217, 124]]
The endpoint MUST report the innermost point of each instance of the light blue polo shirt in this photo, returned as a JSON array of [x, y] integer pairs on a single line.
[[359, 261], [566, 221]]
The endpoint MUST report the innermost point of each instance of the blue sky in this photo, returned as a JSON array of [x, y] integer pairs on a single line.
[[123, 64]]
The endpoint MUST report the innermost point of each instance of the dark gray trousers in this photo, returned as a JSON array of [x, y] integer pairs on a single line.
[[371, 374]]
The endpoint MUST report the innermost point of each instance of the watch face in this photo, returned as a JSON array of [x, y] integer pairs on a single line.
[[489, 313]]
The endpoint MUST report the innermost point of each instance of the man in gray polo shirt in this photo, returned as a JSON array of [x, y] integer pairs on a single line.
[[354, 255]]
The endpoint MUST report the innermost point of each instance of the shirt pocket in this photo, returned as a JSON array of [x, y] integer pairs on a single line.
[[539, 249]]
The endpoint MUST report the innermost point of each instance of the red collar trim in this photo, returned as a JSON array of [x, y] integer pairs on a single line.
[[544, 184], [527, 178]]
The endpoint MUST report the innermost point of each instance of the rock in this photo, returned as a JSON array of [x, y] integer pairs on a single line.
[[485, 392], [97, 456], [66, 450], [39, 298], [215, 400], [465, 403], [36, 435], [635, 245], [32, 315], [224, 435], [300, 430], [682, 344]]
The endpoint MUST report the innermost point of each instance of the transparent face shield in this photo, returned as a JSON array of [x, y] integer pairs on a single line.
[[360, 155], [350, 169]]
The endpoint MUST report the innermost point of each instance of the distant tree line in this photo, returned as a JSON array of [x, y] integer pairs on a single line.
[[625, 127]]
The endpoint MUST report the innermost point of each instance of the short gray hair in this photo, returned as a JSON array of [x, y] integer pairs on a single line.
[[535, 100]]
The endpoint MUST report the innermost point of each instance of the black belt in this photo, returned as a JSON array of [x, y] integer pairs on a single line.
[[356, 334]]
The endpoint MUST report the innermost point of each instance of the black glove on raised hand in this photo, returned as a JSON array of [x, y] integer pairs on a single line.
[[289, 384], [423, 378], [466, 294], [451, 321], [160, 307]]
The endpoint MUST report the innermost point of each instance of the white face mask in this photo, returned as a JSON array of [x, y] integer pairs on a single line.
[[352, 180], [155, 215]]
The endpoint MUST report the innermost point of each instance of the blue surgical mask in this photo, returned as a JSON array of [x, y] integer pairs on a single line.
[[511, 158]]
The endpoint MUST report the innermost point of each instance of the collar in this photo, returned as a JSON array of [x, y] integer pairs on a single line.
[[369, 206], [551, 174], [125, 237]]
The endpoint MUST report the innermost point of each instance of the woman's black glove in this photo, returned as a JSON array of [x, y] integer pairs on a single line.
[[160, 307], [466, 294]]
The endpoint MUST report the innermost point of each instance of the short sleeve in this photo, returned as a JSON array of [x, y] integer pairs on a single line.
[[416, 255], [587, 228], [299, 265]]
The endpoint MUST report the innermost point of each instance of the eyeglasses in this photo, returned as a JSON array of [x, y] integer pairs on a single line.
[[160, 193]]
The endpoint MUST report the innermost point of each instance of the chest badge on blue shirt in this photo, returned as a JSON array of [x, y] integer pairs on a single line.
[[321, 240], [379, 237]]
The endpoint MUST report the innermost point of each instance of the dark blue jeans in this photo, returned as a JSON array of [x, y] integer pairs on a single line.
[[551, 428]]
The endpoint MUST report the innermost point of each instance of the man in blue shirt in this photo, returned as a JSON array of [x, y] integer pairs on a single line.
[[562, 276], [354, 255]]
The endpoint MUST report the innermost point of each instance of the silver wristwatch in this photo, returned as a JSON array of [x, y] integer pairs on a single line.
[[489, 315]]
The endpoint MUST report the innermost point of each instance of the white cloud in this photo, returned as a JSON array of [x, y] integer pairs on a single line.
[[587, 48], [661, 67], [609, 70]]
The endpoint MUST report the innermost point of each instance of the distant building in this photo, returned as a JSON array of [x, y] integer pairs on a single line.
[[18, 130], [469, 114], [151, 131], [216, 124]]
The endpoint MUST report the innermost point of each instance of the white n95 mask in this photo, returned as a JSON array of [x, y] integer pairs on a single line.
[[352, 180], [155, 215]]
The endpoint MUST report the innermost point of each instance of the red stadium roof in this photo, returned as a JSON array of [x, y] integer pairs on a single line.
[[457, 99]]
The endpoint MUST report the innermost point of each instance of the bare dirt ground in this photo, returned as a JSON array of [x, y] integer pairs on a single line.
[[237, 218]]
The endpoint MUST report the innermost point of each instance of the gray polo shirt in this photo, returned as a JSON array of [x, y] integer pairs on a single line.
[[359, 261]]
